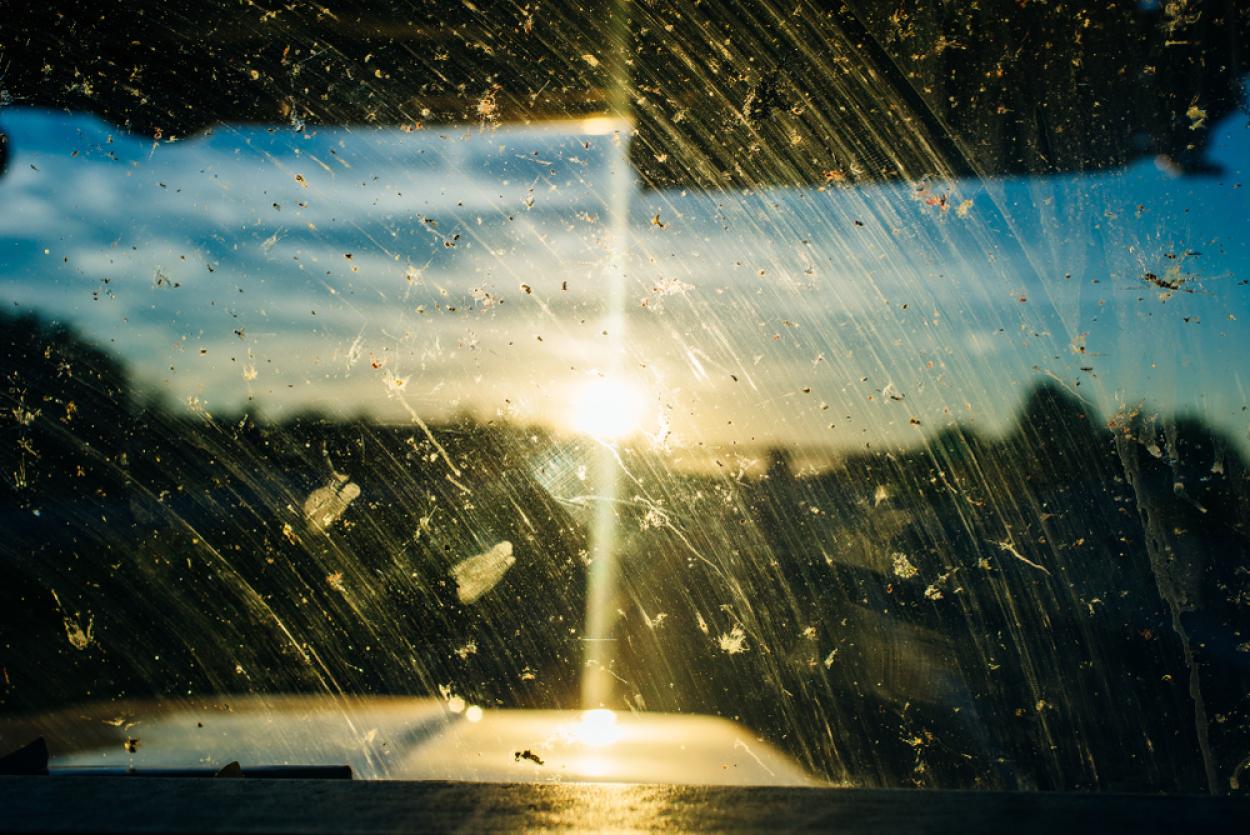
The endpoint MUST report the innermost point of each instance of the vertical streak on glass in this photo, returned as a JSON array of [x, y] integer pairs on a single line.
[[598, 686]]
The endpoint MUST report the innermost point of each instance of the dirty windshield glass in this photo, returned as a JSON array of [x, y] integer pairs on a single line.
[[862, 383]]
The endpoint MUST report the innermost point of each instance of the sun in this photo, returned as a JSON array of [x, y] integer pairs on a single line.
[[607, 408]]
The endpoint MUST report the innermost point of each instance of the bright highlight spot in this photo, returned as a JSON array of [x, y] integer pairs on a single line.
[[456, 704], [601, 125], [607, 408], [597, 728], [473, 714]]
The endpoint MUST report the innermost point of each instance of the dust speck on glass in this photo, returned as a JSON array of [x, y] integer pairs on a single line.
[[869, 375]]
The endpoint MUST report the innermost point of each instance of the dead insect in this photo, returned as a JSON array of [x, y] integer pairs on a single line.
[[1161, 282], [762, 99], [527, 754]]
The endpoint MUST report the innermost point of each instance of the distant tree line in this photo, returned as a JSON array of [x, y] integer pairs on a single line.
[[1066, 606]]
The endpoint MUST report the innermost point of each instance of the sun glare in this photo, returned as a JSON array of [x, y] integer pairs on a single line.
[[601, 125], [608, 409], [597, 728]]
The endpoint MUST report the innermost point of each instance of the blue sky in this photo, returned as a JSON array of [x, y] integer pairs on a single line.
[[218, 268]]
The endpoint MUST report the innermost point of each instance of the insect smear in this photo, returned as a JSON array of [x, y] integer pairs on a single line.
[[326, 504], [479, 574]]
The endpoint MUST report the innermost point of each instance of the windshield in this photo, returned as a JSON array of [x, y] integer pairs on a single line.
[[872, 379]]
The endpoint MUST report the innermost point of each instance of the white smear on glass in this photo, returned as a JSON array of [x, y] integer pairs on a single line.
[[479, 574], [326, 504]]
